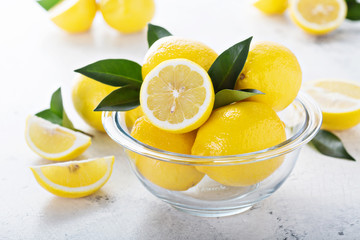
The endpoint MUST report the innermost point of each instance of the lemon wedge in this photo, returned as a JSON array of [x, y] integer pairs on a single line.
[[74, 16], [54, 142], [318, 16], [76, 178], [339, 101], [177, 96]]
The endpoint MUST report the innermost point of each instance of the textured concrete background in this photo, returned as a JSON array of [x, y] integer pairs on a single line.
[[320, 200]]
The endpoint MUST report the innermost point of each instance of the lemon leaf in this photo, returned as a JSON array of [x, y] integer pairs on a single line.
[[48, 4], [155, 32], [353, 10], [114, 72], [50, 116], [56, 105], [330, 145], [122, 99], [227, 96], [228, 65]]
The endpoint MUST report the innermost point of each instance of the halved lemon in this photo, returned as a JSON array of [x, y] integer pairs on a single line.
[[76, 178], [339, 101], [54, 142], [74, 16], [177, 96], [318, 16]]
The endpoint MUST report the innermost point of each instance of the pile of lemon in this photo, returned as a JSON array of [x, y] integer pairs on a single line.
[[313, 16]]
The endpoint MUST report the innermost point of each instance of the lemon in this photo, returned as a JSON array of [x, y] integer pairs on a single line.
[[86, 95], [274, 70], [74, 16], [177, 96], [76, 178], [171, 176], [271, 6], [339, 101], [127, 16], [238, 128], [132, 115], [176, 47], [318, 16], [54, 142]]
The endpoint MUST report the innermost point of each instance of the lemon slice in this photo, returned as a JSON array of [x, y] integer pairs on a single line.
[[318, 16], [177, 96], [339, 101], [76, 178], [74, 16], [271, 6], [54, 142]]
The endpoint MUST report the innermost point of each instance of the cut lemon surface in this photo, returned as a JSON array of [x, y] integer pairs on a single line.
[[76, 178], [54, 142], [318, 16], [177, 96], [339, 101]]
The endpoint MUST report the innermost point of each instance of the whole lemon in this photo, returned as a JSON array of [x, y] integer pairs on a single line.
[[238, 128], [274, 70], [132, 115], [127, 16], [75, 18], [171, 176], [176, 47], [86, 95], [271, 6]]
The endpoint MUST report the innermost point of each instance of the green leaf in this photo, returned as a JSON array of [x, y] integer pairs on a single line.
[[114, 72], [56, 104], [155, 32], [50, 116], [48, 4], [66, 122], [227, 96], [122, 99], [227, 67], [353, 12], [330, 145]]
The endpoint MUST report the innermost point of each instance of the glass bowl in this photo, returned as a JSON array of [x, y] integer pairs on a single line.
[[208, 197]]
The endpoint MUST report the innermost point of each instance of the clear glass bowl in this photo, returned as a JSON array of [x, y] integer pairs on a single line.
[[210, 198]]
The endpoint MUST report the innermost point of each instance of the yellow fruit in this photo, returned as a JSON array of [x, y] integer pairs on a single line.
[[274, 70], [175, 47], [127, 16], [238, 128], [177, 96], [339, 101], [86, 95], [171, 176], [132, 115], [76, 178], [318, 16], [74, 16], [271, 6], [53, 142]]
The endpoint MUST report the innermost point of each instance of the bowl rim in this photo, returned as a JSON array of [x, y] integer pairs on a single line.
[[312, 124]]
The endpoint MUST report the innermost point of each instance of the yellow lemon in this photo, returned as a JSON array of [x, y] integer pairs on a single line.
[[271, 6], [175, 47], [86, 95], [238, 128], [54, 142], [177, 96], [127, 16], [76, 178], [339, 101], [318, 16], [274, 70], [132, 115], [74, 16], [171, 176]]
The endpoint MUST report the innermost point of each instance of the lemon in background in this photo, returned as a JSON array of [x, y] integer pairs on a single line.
[[238, 128], [171, 47], [86, 95], [271, 6], [74, 16], [273, 69], [127, 16]]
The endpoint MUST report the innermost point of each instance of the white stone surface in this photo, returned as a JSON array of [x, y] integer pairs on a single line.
[[320, 200]]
